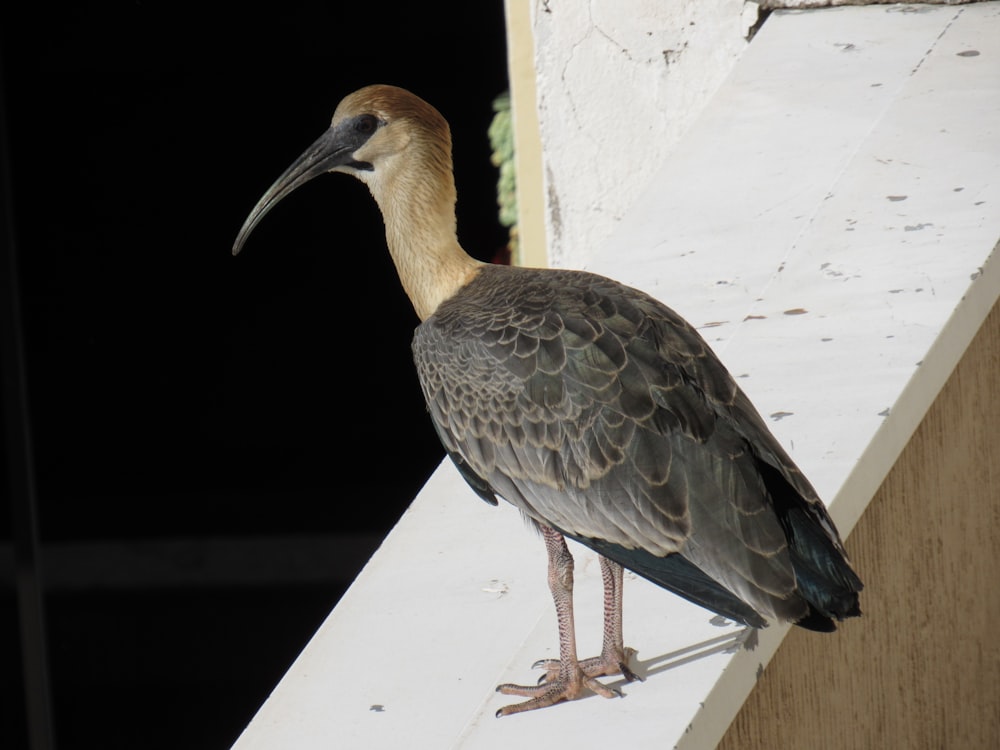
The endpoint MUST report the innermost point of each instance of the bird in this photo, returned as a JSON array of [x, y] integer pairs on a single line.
[[589, 405]]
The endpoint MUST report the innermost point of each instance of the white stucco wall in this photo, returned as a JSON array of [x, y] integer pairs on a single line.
[[618, 83]]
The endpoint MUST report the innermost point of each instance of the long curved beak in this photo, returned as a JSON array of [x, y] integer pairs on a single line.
[[327, 153]]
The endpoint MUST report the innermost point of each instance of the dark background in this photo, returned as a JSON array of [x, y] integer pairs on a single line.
[[218, 442]]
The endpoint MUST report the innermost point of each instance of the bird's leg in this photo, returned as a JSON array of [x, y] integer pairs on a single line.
[[568, 680], [614, 656]]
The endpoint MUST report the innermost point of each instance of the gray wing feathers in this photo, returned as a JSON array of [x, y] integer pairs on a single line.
[[598, 411]]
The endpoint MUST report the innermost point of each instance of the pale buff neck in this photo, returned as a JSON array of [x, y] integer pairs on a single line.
[[418, 208]]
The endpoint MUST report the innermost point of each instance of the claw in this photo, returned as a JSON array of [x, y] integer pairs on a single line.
[[627, 673]]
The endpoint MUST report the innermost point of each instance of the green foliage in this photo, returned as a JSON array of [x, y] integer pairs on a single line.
[[501, 134]]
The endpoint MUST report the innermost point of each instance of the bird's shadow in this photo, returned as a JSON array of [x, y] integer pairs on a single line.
[[728, 643], [722, 644]]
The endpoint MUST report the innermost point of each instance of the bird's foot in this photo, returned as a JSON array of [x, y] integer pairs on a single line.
[[611, 663], [563, 685], [558, 684]]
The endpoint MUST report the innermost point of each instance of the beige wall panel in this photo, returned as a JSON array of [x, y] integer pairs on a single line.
[[921, 669]]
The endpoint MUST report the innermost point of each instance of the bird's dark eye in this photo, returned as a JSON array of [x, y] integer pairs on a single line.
[[366, 124]]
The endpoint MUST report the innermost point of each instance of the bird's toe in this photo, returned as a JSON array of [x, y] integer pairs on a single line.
[[568, 685]]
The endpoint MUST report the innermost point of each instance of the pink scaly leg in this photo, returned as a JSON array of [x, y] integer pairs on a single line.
[[566, 678], [614, 656]]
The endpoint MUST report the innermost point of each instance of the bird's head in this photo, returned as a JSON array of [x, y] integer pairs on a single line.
[[373, 132]]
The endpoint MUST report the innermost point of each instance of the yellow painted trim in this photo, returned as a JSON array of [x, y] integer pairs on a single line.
[[532, 246]]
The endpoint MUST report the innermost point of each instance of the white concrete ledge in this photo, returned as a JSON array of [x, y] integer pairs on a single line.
[[830, 225]]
